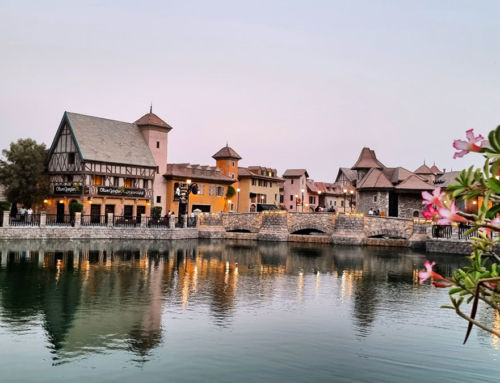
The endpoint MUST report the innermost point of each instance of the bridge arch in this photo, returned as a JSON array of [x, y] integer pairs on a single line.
[[308, 228]]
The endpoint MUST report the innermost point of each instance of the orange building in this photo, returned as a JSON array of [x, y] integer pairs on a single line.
[[212, 187]]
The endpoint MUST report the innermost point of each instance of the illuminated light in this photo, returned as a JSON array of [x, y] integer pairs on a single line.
[[238, 190], [45, 201], [90, 202], [319, 192], [61, 201], [474, 202], [497, 177], [188, 182], [345, 190], [229, 202], [352, 191], [148, 203]]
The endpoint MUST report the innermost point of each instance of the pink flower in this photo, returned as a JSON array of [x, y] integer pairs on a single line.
[[430, 213], [449, 215], [470, 145], [436, 198], [425, 275]]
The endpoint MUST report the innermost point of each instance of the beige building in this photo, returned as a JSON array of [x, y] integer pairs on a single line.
[[259, 189]]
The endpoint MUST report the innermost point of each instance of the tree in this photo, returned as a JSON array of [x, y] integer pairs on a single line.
[[22, 172], [481, 280]]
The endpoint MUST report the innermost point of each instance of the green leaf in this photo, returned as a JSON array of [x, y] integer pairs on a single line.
[[454, 290], [494, 184]]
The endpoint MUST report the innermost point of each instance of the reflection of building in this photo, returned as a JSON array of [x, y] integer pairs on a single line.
[[109, 166]]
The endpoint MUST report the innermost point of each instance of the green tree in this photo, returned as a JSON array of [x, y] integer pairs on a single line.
[[22, 172]]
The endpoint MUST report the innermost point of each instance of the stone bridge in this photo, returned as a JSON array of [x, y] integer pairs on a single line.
[[337, 228]]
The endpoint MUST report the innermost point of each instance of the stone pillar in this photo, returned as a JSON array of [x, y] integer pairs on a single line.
[[184, 221], [43, 219], [454, 233], [6, 218], [110, 219], [78, 220], [143, 220], [197, 221], [171, 223]]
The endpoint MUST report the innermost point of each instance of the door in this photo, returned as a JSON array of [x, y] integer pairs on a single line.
[[95, 213], [128, 211], [140, 210], [108, 209], [60, 212], [393, 204]]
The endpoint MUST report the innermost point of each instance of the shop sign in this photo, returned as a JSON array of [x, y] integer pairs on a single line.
[[121, 192]]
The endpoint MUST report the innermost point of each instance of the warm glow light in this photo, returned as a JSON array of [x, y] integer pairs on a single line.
[[45, 201], [319, 192], [302, 190], [261, 197], [229, 202], [345, 190], [497, 177], [296, 196], [61, 201], [352, 191], [90, 202], [188, 182], [238, 190], [148, 203], [474, 202]]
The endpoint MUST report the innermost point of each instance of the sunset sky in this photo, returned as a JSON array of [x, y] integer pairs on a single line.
[[289, 84]]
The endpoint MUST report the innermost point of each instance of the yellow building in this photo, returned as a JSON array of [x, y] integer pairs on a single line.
[[259, 189], [212, 187]]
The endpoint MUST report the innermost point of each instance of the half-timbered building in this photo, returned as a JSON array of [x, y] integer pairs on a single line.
[[109, 166]]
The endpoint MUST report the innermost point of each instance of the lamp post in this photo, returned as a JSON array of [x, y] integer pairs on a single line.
[[352, 193], [319, 197], [345, 194], [229, 202], [261, 199], [296, 203], [238, 200], [187, 196], [302, 190]]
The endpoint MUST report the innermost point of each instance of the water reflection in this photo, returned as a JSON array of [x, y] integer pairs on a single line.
[[100, 296]]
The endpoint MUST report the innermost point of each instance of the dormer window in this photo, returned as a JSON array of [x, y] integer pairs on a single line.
[[71, 158]]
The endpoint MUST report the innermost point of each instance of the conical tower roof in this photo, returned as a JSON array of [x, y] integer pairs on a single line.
[[226, 152], [367, 160], [151, 119]]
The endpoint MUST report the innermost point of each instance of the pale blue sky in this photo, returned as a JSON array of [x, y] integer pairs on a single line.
[[289, 84]]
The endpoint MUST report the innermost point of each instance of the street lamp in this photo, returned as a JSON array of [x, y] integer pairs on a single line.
[[296, 202], [238, 201], [302, 190], [229, 202], [187, 195], [345, 194], [319, 197], [261, 199], [352, 192]]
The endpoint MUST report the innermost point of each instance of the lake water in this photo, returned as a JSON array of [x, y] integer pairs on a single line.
[[199, 311]]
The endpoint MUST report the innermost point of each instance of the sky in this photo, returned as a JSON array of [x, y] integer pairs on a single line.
[[288, 84]]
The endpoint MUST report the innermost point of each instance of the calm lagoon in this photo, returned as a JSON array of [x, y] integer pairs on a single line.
[[222, 311]]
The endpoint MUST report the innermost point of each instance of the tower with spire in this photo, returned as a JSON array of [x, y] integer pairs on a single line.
[[155, 133]]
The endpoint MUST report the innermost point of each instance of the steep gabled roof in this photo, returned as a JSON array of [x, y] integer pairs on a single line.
[[104, 140], [414, 182], [256, 172], [436, 170], [295, 173], [151, 119], [367, 160], [350, 174], [375, 179], [226, 152], [397, 175], [423, 169]]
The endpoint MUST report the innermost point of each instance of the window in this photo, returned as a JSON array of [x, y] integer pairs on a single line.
[[145, 183], [275, 197], [201, 189], [220, 191], [291, 181], [334, 203], [312, 199], [282, 198], [265, 183], [71, 158], [374, 198], [97, 180], [254, 182], [291, 197], [158, 199], [116, 181], [212, 190], [69, 178], [291, 207], [341, 203], [233, 164], [331, 202], [270, 184], [157, 144], [232, 175], [128, 182]]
